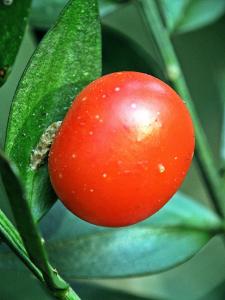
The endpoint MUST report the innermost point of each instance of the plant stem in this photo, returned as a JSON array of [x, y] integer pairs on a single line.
[[222, 151], [11, 237], [152, 18], [69, 294], [28, 245]]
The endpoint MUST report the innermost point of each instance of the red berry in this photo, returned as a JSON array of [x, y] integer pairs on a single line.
[[123, 149]]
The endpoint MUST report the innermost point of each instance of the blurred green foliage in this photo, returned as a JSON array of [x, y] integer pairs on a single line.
[[11, 35], [188, 15]]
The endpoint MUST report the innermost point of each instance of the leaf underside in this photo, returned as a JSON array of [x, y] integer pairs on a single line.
[[170, 237]]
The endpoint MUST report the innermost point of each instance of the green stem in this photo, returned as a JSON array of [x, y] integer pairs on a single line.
[[151, 15], [69, 294], [28, 244], [222, 152], [11, 237]]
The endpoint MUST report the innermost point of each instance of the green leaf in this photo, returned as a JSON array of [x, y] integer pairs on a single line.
[[170, 237], [11, 34], [68, 58], [34, 245], [26, 226], [8, 232], [125, 253], [109, 6], [43, 14], [187, 15]]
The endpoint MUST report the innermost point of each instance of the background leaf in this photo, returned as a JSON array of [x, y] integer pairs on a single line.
[[168, 238], [121, 53], [181, 211], [68, 58], [187, 15], [11, 35], [95, 292], [43, 14], [125, 253], [110, 6]]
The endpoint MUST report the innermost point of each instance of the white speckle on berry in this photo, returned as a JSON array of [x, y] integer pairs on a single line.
[[161, 168]]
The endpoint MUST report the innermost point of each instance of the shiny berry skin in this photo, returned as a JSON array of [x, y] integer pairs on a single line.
[[123, 149]]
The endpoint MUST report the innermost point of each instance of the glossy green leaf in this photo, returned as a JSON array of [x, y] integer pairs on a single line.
[[11, 35], [128, 252], [180, 211], [68, 58], [120, 52], [44, 14], [170, 237], [188, 15]]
